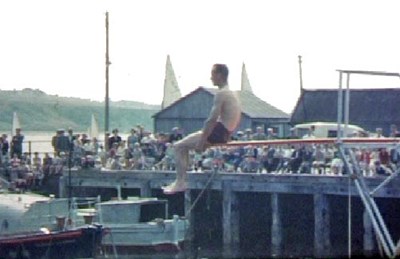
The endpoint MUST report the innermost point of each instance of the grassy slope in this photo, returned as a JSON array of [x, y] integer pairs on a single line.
[[38, 111]]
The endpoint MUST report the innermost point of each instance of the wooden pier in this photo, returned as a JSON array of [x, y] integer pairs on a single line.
[[315, 211]]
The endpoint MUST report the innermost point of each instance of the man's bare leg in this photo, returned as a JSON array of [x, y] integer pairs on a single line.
[[182, 148]]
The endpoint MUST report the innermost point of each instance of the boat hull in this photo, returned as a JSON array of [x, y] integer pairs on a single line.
[[167, 248], [82, 242], [156, 236]]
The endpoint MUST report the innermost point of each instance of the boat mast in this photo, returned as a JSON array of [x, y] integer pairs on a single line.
[[301, 75], [301, 89], [107, 108]]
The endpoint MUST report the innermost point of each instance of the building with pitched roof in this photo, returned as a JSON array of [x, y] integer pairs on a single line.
[[190, 112]]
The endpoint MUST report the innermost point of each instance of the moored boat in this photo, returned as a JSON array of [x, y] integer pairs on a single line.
[[140, 225], [79, 242], [36, 226]]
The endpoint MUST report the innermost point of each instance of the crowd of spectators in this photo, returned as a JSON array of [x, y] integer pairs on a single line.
[[143, 150]]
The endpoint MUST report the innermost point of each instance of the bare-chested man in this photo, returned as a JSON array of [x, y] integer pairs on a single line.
[[222, 121]]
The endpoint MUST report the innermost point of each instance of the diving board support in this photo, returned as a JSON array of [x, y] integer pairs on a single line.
[[386, 181], [379, 225], [353, 168]]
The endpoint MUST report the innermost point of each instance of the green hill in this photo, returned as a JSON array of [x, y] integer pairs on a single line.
[[38, 111]]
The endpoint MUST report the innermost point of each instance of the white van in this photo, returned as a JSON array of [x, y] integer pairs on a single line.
[[325, 130]]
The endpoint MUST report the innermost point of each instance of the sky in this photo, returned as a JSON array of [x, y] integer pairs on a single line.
[[59, 46]]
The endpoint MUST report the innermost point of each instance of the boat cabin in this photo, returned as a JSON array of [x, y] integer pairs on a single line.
[[132, 210]]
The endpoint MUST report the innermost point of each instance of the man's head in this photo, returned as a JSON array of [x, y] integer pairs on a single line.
[[219, 75]]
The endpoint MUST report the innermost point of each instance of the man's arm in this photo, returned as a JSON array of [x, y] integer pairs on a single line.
[[212, 119]]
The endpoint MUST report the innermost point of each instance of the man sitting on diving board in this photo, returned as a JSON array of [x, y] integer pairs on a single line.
[[221, 123]]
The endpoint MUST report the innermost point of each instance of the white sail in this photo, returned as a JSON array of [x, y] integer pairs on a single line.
[[171, 89], [245, 80], [94, 128], [15, 124]]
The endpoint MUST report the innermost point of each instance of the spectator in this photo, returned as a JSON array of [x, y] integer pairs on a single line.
[[71, 140], [337, 165], [161, 146], [259, 134], [395, 157], [4, 149], [137, 160], [394, 133], [113, 162], [102, 155], [271, 134], [379, 133], [175, 135], [115, 138], [132, 138], [54, 141], [379, 169], [47, 163], [62, 142], [36, 162], [240, 136], [85, 139], [248, 135], [94, 146], [16, 143], [318, 164]]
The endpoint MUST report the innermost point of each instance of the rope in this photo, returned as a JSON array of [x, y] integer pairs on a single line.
[[349, 217], [201, 192]]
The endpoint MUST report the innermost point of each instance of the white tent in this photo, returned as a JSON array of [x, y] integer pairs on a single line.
[[171, 89], [245, 86], [94, 128]]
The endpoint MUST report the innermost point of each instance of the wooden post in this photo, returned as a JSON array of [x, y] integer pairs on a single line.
[[191, 218], [235, 214], [227, 213], [276, 229], [322, 243], [230, 220], [145, 189], [368, 235]]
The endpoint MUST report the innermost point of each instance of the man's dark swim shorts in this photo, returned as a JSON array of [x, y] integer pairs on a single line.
[[219, 135]]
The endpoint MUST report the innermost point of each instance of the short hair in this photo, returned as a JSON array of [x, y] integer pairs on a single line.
[[222, 69]]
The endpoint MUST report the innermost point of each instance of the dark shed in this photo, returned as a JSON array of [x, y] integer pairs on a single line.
[[368, 108]]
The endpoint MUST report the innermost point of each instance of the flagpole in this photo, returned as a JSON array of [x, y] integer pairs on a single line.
[[107, 108], [301, 75]]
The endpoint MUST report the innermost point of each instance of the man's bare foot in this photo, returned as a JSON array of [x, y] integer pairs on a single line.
[[174, 188]]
